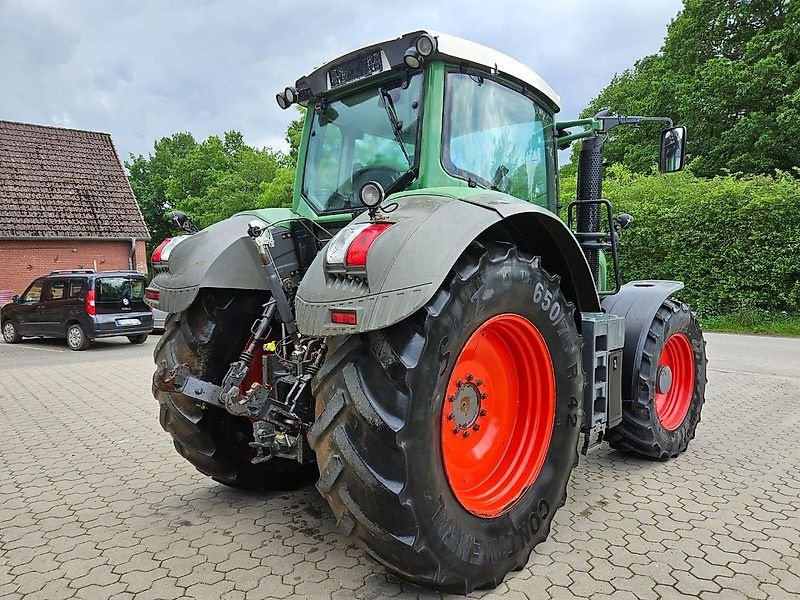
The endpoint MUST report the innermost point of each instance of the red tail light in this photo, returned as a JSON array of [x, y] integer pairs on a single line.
[[90, 305], [152, 294], [156, 258], [359, 247], [343, 317]]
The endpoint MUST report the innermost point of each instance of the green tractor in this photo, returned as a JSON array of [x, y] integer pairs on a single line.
[[421, 325]]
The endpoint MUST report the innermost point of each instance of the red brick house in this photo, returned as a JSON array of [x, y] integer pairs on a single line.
[[65, 202]]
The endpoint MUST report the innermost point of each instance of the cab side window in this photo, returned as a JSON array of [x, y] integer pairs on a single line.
[[74, 288], [56, 290], [34, 293], [498, 137]]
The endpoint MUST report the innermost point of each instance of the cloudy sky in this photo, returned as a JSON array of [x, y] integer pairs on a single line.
[[143, 69]]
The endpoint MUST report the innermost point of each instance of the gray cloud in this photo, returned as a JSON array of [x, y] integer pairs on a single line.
[[141, 70]]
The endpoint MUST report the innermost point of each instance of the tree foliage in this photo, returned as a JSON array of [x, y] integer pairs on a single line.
[[212, 179], [729, 70], [734, 241]]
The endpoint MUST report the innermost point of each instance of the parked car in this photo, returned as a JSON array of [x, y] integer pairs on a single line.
[[80, 305], [159, 320]]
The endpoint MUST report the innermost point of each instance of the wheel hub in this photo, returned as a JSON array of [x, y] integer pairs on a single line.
[[664, 379], [466, 405]]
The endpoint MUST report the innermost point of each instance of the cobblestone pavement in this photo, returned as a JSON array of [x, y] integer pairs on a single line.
[[95, 503]]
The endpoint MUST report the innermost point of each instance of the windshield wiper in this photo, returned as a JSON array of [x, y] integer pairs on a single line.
[[478, 182], [397, 126]]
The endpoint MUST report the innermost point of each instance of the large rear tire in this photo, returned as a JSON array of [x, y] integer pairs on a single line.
[[661, 415], [490, 367], [208, 336]]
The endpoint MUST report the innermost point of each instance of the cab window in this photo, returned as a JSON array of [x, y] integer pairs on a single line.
[[498, 137], [56, 290], [75, 288], [369, 135], [34, 293]]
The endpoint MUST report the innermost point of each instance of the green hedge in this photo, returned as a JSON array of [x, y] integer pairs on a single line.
[[734, 241]]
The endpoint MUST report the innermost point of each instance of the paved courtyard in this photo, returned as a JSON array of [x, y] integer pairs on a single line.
[[95, 503]]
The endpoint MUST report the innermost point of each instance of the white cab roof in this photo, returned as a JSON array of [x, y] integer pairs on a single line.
[[465, 50]]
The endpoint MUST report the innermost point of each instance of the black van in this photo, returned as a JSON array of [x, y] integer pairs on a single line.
[[80, 305]]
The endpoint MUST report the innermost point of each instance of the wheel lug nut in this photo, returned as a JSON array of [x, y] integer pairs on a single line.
[[470, 377], [455, 430], [451, 398], [479, 383], [450, 417], [459, 383], [484, 396], [476, 427], [482, 413], [466, 434]]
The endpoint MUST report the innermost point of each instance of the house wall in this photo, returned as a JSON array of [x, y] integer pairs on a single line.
[[21, 261]]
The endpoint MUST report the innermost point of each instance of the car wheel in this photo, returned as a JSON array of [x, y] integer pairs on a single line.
[[10, 334], [137, 339], [76, 338]]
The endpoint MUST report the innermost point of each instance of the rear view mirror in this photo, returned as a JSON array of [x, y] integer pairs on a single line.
[[16, 299], [672, 156]]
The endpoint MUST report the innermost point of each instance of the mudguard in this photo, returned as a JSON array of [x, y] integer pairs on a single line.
[[220, 256], [637, 302], [407, 264]]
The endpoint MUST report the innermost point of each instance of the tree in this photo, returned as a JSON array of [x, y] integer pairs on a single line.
[[210, 180], [729, 70], [149, 178]]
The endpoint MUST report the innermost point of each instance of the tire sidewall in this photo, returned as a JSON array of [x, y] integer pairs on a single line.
[[674, 441], [504, 287]]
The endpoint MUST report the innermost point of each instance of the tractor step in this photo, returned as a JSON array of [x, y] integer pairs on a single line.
[[603, 339]]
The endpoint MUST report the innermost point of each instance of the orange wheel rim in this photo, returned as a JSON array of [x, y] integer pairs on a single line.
[[674, 381], [498, 415]]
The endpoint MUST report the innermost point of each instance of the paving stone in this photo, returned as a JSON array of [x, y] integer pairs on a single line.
[[107, 509]]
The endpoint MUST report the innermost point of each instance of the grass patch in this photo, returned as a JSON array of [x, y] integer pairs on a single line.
[[755, 322]]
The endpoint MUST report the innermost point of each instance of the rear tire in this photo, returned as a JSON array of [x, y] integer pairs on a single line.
[[138, 339], [382, 409], [662, 418], [208, 336], [76, 338], [10, 334]]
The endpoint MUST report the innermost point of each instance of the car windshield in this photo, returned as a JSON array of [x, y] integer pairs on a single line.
[[115, 289], [367, 136]]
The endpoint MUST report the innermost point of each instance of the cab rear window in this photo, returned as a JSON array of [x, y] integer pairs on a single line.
[[115, 289]]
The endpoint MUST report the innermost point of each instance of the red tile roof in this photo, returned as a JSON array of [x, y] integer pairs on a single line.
[[58, 182]]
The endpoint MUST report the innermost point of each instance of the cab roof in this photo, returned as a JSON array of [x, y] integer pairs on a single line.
[[457, 49]]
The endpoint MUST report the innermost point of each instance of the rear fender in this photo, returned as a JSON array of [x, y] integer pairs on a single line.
[[637, 302], [409, 262], [220, 256]]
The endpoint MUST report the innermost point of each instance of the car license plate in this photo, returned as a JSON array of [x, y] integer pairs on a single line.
[[128, 322]]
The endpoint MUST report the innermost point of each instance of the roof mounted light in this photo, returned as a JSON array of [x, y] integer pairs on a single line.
[[425, 45], [282, 101], [290, 94], [412, 58]]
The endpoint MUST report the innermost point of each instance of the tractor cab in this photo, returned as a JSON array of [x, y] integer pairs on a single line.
[[426, 110]]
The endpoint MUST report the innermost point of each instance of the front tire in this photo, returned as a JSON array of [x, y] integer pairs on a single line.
[[661, 419], [10, 334], [391, 456], [208, 336], [76, 338]]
